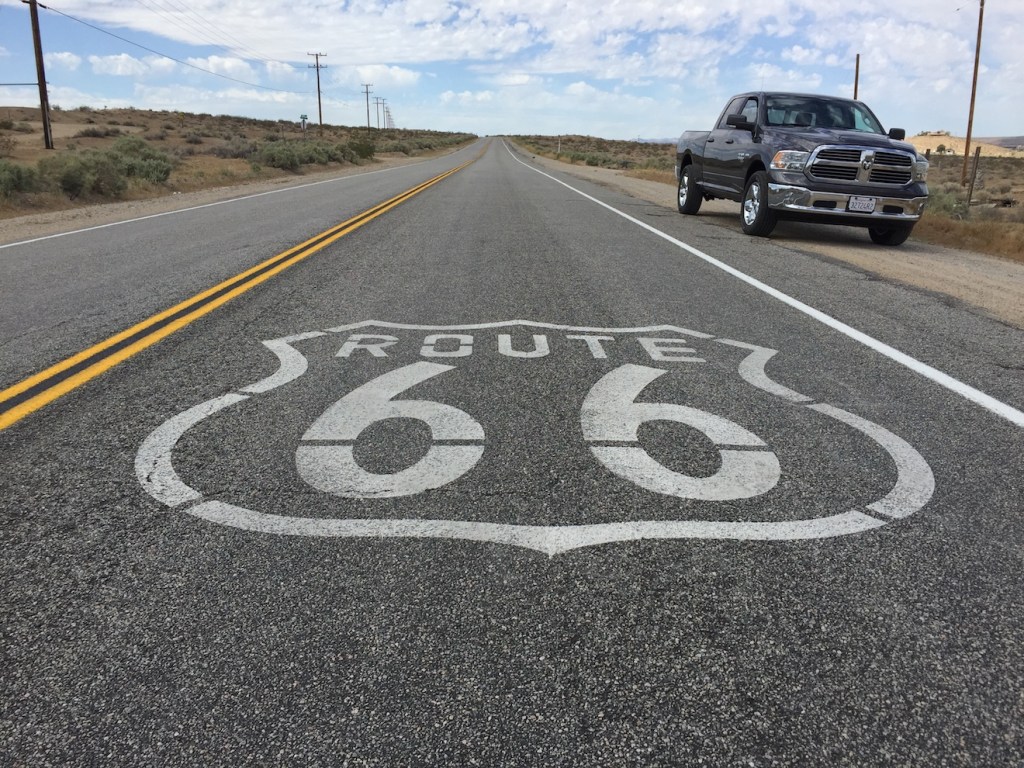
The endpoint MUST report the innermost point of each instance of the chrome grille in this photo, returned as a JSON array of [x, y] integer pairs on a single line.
[[839, 155], [861, 165], [889, 176]]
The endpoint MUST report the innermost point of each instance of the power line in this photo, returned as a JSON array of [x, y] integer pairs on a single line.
[[171, 58], [202, 25]]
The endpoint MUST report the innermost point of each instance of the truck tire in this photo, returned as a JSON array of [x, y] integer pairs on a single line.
[[894, 234], [758, 218], [689, 197]]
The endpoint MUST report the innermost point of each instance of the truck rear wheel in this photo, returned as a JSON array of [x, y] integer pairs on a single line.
[[689, 198], [758, 218], [894, 234]]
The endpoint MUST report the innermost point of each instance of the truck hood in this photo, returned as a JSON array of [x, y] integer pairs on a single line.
[[807, 139]]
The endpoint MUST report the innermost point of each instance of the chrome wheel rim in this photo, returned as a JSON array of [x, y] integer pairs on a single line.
[[751, 203], [684, 179]]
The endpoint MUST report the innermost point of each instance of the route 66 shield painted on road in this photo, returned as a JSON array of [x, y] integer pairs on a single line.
[[537, 435]]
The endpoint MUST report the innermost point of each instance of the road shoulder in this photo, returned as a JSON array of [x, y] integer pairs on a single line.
[[991, 285]]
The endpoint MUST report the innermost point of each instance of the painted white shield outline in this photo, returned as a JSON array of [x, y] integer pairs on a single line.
[[913, 489]]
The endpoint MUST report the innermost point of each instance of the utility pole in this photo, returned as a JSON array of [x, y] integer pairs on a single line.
[[44, 100], [974, 91], [377, 102], [318, 66], [366, 87], [856, 77]]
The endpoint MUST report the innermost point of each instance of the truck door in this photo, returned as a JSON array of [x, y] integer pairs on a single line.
[[736, 147], [721, 144]]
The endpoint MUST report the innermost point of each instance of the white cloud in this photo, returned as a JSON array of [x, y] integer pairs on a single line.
[[120, 65], [772, 77], [279, 70], [466, 97], [62, 60], [224, 65], [698, 51], [800, 55], [384, 76]]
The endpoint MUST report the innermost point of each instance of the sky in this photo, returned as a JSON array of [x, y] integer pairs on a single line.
[[617, 69]]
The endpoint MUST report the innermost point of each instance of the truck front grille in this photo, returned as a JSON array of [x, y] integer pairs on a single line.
[[861, 165]]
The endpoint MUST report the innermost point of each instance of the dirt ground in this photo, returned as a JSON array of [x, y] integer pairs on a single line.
[[994, 286]]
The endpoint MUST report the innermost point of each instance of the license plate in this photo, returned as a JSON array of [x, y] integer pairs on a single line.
[[861, 204]]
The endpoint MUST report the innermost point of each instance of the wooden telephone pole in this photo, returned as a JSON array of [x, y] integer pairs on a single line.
[[974, 91], [44, 100], [318, 66]]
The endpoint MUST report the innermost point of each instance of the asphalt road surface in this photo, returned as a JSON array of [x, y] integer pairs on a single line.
[[513, 470]]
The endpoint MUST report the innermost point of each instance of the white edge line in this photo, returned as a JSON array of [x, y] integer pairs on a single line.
[[199, 207], [966, 391]]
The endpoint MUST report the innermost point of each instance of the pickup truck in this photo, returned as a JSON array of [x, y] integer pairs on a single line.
[[804, 157]]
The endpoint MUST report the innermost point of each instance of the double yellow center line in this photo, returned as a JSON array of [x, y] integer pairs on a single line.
[[43, 388]]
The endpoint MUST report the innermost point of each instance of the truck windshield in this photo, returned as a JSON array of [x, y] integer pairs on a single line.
[[812, 112]]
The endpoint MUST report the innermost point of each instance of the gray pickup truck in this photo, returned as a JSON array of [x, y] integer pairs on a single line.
[[805, 157]]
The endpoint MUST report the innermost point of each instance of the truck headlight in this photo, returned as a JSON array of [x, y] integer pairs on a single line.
[[789, 160], [921, 170]]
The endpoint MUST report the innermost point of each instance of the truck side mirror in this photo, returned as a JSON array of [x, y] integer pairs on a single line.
[[897, 133], [739, 121]]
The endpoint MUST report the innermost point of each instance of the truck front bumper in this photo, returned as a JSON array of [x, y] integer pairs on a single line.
[[808, 203]]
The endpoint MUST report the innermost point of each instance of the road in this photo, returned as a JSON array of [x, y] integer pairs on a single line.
[[515, 470]]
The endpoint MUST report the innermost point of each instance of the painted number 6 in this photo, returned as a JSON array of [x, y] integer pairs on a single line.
[[333, 469], [611, 415]]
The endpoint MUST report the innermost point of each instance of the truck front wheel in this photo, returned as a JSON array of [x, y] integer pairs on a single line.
[[894, 234], [689, 199], [758, 218]]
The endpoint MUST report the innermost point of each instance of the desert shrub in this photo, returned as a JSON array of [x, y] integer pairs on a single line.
[[290, 155], [97, 133], [16, 178], [7, 145], [236, 147], [193, 138], [88, 173], [134, 157], [23, 128], [278, 155], [158, 136], [363, 148], [6, 125], [404, 147], [945, 200]]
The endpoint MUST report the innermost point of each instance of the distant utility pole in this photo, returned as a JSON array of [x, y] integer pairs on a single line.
[[389, 122], [974, 91], [366, 87], [377, 102], [856, 77], [318, 66], [44, 100]]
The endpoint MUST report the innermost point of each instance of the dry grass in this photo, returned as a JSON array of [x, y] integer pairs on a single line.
[[209, 151]]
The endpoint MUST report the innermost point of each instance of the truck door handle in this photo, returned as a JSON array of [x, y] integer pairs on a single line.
[[709, 141], [730, 141]]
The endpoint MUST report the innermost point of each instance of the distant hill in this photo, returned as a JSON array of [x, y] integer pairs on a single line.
[[1010, 142], [955, 144]]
